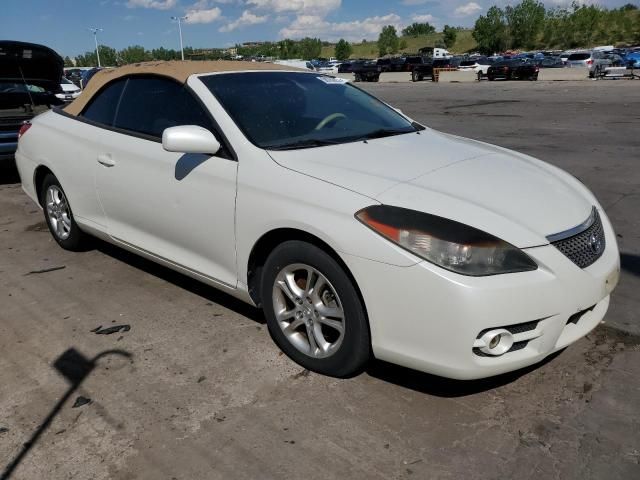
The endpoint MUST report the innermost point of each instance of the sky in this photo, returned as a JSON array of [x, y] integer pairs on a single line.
[[63, 24]]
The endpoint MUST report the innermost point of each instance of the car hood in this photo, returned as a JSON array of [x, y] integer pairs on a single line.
[[32, 64], [515, 197]]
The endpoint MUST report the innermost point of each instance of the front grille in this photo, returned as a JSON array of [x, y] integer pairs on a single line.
[[585, 247]]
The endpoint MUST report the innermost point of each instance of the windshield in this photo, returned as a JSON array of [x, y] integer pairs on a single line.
[[282, 110], [579, 56]]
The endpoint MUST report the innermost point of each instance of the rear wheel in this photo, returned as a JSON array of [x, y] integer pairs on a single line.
[[313, 310], [59, 217], [479, 76], [414, 77]]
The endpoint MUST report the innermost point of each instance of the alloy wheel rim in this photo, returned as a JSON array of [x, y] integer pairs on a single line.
[[58, 212], [308, 310]]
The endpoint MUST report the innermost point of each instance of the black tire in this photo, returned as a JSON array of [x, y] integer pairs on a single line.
[[414, 77], [354, 350], [76, 240], [358, 78], [479, 76]]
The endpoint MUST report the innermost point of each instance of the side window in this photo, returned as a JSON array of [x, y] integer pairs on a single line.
[[149, 105], [103, 106]]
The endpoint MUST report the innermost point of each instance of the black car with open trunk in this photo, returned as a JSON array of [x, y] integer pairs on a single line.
[[30, 76]]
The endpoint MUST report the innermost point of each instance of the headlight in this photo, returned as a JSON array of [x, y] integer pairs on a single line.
[[448, 244]]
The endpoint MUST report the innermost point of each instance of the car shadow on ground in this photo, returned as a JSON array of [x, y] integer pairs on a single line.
[[630, 263], [446, 387], [196, 287], [8, 172], [75, 368]]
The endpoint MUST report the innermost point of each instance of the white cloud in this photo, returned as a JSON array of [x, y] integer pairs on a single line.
[[207, 15], [428, 18], [316, 26], [203, 11], [247, 18], [467, 9], [157, 4], [300, 7]]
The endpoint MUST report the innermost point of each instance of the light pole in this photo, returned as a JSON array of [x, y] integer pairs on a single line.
[[95, 37], [179, 19]]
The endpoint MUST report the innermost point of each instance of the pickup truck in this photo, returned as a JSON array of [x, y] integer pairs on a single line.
[[30, 77], [366, 71], [425, 69]]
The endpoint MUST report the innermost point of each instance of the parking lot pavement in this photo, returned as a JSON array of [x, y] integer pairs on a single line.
[[196, 388]]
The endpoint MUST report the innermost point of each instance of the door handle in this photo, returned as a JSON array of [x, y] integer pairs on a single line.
[[106, 160]]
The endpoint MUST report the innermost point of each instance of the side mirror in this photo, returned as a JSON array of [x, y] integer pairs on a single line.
[[190, 139]]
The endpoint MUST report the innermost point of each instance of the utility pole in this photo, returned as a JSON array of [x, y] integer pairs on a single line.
[[179, 19], [95, 37]]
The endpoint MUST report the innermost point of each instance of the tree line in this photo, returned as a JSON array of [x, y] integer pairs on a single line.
[[529, 25], [307, 48]]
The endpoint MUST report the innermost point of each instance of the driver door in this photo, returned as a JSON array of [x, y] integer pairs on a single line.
[[178, 207]]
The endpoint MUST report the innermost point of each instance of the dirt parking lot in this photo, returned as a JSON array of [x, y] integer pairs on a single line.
[[197, 389]]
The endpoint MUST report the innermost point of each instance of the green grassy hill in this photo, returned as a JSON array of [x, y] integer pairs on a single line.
[[464, 43]]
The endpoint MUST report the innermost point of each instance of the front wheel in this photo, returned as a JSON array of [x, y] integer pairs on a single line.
[[313, 310], [59, 217]]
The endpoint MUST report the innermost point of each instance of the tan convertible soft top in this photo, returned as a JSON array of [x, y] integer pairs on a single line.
[[175, 69]]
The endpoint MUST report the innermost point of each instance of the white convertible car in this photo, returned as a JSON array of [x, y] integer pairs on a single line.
[[359, 231]]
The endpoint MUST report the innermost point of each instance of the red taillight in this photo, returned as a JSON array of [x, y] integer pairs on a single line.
[[23, 129], [590, 62]]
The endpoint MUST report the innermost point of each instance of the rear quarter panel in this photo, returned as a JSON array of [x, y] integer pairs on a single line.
[[63, 145]]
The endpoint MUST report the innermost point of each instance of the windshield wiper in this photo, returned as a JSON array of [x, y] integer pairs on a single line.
[[307, 143], [384, 132]]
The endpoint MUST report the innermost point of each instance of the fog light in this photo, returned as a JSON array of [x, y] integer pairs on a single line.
[[496, 342]]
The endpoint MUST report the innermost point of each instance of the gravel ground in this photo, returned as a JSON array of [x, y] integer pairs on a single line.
[[196, 388]]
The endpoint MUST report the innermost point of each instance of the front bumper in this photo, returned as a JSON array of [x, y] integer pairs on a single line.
[[429, 319]]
